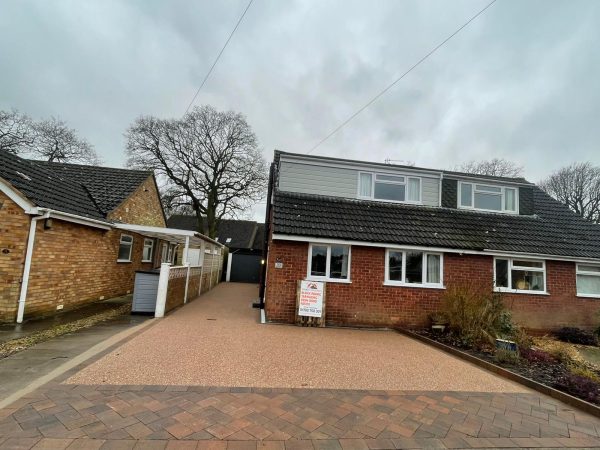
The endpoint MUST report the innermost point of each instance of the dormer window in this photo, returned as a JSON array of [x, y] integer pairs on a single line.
[[392, 188], [487, 197]]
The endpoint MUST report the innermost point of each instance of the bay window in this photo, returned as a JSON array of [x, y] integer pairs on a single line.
[[413, 267], [329, 262], [486, 197], [519, 275], [588, 280], [394, 188]]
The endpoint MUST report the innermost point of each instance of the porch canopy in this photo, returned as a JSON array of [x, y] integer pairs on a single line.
[[186, 237]]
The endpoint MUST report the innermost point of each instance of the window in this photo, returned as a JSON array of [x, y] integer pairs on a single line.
[[588, 280], [393, 188], [519, 275], [164, 257], [488, 198], [329, 262], [125, 248], [148, 250], [413, 267]]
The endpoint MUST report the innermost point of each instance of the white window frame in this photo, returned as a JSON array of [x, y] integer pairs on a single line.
[[130, 247], [164, 252], [425, 284], [501, 194], [328, 264], [151, 247], [405, 184], [512, 266], [586, 273]]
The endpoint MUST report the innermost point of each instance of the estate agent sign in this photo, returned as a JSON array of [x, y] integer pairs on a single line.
[[311, 299]]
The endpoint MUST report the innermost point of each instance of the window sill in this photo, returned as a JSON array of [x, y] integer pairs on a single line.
[[517, 291], [123, 260], [329, 280], [588, 295], [414, 285], [146, 260]]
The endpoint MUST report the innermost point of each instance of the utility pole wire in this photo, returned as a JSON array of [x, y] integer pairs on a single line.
[[219, 56], [414, 66]]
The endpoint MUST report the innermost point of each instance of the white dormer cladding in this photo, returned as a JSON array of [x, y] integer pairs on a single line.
[[343, 179], [486, 196]]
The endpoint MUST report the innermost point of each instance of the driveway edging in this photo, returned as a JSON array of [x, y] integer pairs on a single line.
[[589, 408]]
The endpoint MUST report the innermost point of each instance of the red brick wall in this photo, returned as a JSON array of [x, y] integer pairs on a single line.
[[366, 301]]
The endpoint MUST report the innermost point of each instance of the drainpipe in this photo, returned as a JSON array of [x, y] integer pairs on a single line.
[[26, 269]]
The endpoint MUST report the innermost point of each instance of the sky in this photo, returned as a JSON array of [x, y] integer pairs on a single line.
[[520, 82]]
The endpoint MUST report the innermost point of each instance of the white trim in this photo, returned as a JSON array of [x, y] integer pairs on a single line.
[[16, 196], [486, 252], [229, 262], [144, 249], [588, 295], [174, 232], [73, 218], [327, 264], [413, 285], [404, 183], [130, 248], [501, 194], [403, 283], [511, 267]]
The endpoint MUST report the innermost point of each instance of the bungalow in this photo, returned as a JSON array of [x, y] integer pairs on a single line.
[[73, 234], [388, 239]]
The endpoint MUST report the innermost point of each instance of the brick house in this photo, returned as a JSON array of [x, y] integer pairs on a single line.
[[73, 234], [388, 240]]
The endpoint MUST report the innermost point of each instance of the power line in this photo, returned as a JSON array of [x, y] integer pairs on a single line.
[[414, 66], [219, 55]]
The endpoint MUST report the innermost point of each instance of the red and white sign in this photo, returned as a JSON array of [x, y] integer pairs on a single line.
[[311, 299]]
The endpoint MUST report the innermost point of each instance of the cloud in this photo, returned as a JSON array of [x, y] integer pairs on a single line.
[[520, 82]]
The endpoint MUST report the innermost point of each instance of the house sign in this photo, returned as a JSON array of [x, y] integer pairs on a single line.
[[311, 299]]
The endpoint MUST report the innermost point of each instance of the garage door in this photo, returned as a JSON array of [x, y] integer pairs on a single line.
[[245, 268]]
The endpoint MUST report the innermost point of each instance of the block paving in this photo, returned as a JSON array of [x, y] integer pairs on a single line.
[[192, 417]]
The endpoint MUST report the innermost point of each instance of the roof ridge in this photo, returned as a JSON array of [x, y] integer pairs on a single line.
[[88, 166]]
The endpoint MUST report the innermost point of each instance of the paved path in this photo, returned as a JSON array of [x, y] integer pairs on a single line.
[[62, 414], [217, 341]]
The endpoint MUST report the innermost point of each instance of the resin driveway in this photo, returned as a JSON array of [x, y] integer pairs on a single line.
[[217, 341]]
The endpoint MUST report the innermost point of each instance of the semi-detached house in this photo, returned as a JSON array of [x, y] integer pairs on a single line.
[[389, 239], [73, 234]]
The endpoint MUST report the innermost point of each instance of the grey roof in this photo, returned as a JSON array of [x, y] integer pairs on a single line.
[[243, 233], [450, 173], [108, 186], [88, 191], [553, 230]]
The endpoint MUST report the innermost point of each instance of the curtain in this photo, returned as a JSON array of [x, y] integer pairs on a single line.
[[433, 268], [366, 184], [414, 189], [588, 284]]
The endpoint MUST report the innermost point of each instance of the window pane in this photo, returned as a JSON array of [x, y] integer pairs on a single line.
[[588, 284], [527, 281], [395, 266], [414, 267], [393, 178], [488, 201], [386, 191], [510, 200], [124, 250], [318, 267], [433, 268], [365, 185], [582, 268], [502, 273], [525, 263], [466, 192], [483, 187], [414, 190], [339, 262], [125, 238]]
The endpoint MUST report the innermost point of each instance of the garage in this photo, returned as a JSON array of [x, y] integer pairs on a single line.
[[243, 268]]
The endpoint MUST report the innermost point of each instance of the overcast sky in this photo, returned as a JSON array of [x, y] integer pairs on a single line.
[[521, 82]]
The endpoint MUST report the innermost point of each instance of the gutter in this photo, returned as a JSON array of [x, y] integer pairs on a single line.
[[27, 268], [77, 219]]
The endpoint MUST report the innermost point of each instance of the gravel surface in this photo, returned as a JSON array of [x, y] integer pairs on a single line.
[[217, 340]]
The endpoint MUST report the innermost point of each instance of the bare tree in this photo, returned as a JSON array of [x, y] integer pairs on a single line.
[[16, 134], [209, 160], [498, 167], [578, 187], [55, 141]]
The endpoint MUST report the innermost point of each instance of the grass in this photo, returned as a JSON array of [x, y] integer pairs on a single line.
[[16, 345]]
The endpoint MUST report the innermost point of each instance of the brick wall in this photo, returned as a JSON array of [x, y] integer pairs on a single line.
[[142, 207], [367, 302], [14, 228]]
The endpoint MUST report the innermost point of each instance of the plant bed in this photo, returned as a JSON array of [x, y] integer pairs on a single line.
[[534, 364]]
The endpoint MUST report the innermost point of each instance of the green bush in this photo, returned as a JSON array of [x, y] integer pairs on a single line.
[[476, 315], [506, 356]]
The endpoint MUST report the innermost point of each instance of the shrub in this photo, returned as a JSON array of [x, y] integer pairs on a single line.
[[579, 386], [534, 355], [474, 313], [576, 336], [438, 318], [582, 371], [506, 356]]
